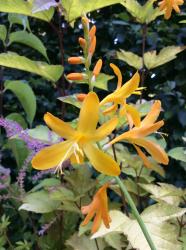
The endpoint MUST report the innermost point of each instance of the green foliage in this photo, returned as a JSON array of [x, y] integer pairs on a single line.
[[3, 33], [25, 95], [19, 19], [13, 60], [178, 153]]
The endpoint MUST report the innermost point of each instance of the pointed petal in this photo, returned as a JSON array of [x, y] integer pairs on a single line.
[[133, 112], [146, 161], [153, 149], [96, 222], [51, 156], [117, 72], [138, 132], [152, 116], [110, 109], [102, 162], [58, 126], [105, 129], [89, 114]]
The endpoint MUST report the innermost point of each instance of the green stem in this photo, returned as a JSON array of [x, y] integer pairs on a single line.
[[136, 214]]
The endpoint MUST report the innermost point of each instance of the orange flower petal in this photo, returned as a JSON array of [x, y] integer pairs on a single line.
[[146, 161], [117, 72], [152, 116], [58, 126]]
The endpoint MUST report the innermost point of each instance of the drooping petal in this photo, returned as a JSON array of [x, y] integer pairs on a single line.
[[110, 109], [58, 126], [51, 156], [89, 114], [96, 222], [117, 72], [138, 132], [102, 162], [153, 149], [152, 116], [144, 158], [90, 210], [134, 113], [105, 129]]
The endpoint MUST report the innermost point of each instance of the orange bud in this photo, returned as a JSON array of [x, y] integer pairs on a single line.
[[82, 42], [81, 97], [97, 67], [92, 46], [92, 32], [75, 60], [75, 76]]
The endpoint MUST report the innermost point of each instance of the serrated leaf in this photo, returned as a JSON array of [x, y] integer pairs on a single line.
[[39, 202], [25, 95], [28, 39], [3, 33], [143, 13], [75, 8], [178, 153], [24, 8], [13, 60], [164, 192], [83, 243], [41, 5], [130, 58], [167, 54], [18, 118], [19, 19]]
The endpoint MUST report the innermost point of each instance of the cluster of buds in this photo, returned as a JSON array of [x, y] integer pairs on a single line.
[[88, 45]]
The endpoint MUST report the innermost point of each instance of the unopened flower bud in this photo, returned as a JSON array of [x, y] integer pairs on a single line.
[[92, 32], [82, 42], [97, 68], [81, 97], [76, 76], [75, 60], [92, 46]]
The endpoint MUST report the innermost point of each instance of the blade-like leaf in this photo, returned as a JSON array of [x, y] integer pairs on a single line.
[[28, 39], [3, 32], [25, 95], [13, 60], [25, 8], [76, 8]]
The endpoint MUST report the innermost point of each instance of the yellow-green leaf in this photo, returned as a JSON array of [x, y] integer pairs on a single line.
[[130, 58], [3, 32], [13, 60]]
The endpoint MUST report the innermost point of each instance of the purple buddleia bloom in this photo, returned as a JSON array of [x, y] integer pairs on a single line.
[[12, 128], [46, 227], [40, 174]]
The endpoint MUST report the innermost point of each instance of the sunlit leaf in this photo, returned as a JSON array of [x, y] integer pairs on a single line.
[[28, 39], [130, 58], [25, 95], [71, 99], [178, 153], [13, 60], [75, 8], [24, 8]]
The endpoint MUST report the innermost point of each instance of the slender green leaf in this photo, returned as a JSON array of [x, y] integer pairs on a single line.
[[19, 19], [13, 60], [25, 8], [25, 95], [3, 32], [28, 39]]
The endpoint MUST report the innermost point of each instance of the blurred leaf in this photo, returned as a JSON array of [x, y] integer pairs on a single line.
[[49, 182], [143, 13], [114, 240], [25, 8], [18, 118], [28, 39], [62, 194], [165, 192], [19, 19], [39, 202], [41, 5], [83, 243], [3, 33], [178, 153], [75, 8], [19, 150], [153, 60], [25, 95], [183, 21], [130, 58], [13, 60], [71, 99]]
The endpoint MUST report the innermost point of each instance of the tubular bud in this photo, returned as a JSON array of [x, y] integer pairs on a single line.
[[92, 32], [97, 68], [81, 97], [75, 60], [92, 46], [82, 42], [76, 76]]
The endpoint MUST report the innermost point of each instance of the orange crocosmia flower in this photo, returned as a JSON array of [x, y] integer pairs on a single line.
[[137, 137], [169, 5], [80, 142], [99, 208], [119, 96]]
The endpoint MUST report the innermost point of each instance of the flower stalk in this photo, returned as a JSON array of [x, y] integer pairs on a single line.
[[136, 213]]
